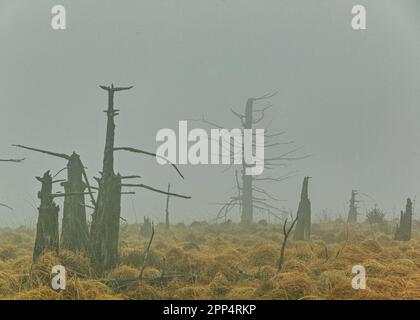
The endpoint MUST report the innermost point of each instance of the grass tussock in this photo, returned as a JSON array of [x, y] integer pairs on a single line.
[[226, 261]]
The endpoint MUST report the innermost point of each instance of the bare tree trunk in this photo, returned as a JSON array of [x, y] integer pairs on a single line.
[[247, 203], [352, 216], [106, 225], [303, 226], [403, 231], [106, 217], [47, 237], [167, 206], [74, 233]]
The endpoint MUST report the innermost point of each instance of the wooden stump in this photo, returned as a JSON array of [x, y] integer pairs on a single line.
[[303, 226], [47, 237], [74, 234], [403, 231]]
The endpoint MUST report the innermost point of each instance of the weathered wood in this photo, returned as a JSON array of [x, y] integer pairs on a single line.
[[403, 231], [75, 232], [104, 233], [303, 226], [352, 216], [47, 237]]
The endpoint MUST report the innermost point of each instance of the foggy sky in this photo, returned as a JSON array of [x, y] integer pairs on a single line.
[[350, 98]]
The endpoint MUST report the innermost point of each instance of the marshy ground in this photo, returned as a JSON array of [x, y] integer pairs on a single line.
[[224, 261]]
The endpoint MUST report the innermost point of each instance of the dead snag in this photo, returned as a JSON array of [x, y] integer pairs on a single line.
[[104, 233], [251, 195], [352, 216], [403, 231], [303, 227], [47, 237], [286, 234], [75, 233]]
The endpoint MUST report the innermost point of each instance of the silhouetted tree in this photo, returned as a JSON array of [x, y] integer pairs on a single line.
[[303, 226], [352, 216], [74, 233], [250, 196], [403, 231], [105, 220], [47, 237]]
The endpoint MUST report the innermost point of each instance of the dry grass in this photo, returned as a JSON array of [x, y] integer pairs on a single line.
[[227, 261]]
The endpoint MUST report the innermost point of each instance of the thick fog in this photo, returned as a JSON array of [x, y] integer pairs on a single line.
[[350, 98]]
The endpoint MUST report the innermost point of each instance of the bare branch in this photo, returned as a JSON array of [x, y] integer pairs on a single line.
[[146, 254], [57, 195], [112, 88], [283, 245], [130, 177], [55, 154], [92, 199], [141, 185], [6, 206], [266, 96], [59, 171], [12, 160], [149, 154]]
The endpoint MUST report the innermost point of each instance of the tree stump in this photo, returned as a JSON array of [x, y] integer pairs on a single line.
[[47, 237], [403, 231], [75, 233], [303, 226]]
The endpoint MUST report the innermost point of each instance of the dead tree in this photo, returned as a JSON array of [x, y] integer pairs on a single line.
[[47, 237], [106, 217], [74, 233], [352, 216], [403, 231], [250, 195], [286, 234], [303, 227]]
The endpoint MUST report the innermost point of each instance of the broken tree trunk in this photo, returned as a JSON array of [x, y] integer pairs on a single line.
[[167, 207], [47, 238], [106, 217], [303, 226], [75, 233], [403, 231], [352, 216]]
